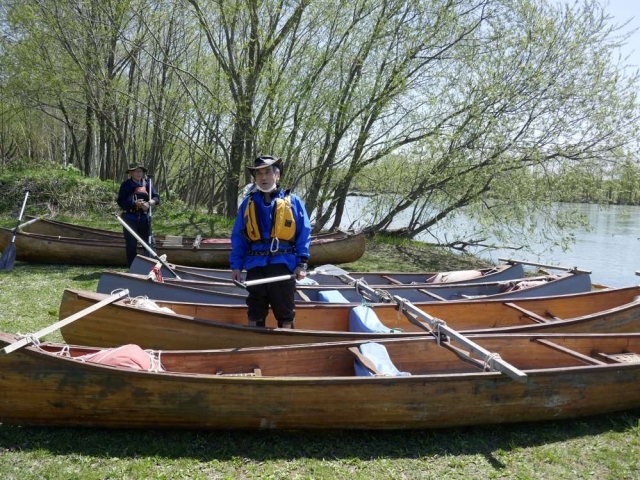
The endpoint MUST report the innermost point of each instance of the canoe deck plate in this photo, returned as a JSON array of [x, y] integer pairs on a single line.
[[626, 357]]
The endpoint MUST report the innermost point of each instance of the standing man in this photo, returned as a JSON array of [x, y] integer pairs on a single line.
[[134, 198], [270, 238]]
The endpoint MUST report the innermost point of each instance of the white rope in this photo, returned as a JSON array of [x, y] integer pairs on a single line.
[[65, 352], [143, 302], [118, 290], [489, 362], [154, 357], [30, 337]]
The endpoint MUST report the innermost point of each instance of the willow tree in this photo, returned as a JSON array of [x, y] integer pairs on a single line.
[[535, 91]]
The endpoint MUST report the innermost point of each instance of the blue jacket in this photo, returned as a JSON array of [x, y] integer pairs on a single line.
[[241, 247]]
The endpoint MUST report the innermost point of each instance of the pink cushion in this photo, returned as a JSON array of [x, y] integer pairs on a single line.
[[130, 356]]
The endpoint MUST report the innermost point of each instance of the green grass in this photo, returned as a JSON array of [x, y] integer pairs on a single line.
[[603, 447]]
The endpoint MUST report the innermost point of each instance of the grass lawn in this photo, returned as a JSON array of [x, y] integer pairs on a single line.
[[603, 447]]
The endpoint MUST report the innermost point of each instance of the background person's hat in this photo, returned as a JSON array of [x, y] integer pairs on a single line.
[[264, 161], [134, 166]]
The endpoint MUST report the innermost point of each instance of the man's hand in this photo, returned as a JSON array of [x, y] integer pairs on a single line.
[[300, 273], [236, 275]]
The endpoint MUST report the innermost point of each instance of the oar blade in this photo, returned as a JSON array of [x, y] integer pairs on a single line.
[[330, 270], [8, 257]]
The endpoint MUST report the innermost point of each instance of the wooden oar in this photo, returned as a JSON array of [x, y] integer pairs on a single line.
[[51, 328], [8, 258], [492, 360], [323, 270], [545, 265], [146, 247]]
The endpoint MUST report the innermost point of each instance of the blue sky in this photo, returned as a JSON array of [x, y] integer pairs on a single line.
[[621, 11]]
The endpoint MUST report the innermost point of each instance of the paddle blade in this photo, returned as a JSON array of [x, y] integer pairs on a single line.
[[8, 257], [331, 270]]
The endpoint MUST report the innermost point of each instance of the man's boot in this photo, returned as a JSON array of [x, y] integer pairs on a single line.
[[289, 325], [256, 323]]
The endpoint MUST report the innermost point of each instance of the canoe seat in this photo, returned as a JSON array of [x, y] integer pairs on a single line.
[[373, 359], [255, 373], [331, 296], [363, 319], [624, 357], [172, 241]]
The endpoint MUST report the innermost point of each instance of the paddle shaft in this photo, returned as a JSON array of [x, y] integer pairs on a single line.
[[150, 177], [323, 270], [490, 358], [24, 204], [146, 247], [51, 328], [544, 265]]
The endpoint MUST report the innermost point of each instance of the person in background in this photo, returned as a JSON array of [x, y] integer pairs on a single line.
[[135, 199], [270, 238]]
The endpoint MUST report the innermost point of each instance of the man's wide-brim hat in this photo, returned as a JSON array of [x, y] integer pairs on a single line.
[[264, 161], [135, 166]]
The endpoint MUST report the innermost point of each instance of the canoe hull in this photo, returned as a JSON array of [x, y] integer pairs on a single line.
[[41, 389], [204, 326], [208, 292], [37, 248]]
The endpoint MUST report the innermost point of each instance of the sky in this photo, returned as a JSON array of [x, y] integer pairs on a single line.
[[621, 11]]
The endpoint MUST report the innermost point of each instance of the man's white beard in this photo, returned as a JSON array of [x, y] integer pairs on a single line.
[[268, 189]]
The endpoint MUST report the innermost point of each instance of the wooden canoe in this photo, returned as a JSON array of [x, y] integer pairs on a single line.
[[142, 265], [206, 326], [340, 247], [212, 292], [315, 386]]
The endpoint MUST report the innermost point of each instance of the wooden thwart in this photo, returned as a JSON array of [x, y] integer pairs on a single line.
[[533, 316], [577, 355]]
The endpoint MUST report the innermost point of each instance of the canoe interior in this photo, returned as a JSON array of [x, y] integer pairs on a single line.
[[418, 356], [142, 265], [203, 326]]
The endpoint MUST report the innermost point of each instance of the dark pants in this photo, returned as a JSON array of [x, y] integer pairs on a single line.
[[279, 295], [141, 227]]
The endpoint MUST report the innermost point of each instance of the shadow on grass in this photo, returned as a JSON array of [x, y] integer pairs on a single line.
[[332, 445]]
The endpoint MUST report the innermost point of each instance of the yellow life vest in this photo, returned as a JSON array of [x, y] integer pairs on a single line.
[[284, 222]]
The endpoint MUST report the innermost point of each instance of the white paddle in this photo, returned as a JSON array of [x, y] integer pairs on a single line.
[[41, 333], [146, 247], [323, 270]]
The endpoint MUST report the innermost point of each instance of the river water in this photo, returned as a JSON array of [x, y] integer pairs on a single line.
[[611, 249]]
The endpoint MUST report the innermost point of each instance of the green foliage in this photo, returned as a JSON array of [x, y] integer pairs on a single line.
[[54, 188], [65, 193]]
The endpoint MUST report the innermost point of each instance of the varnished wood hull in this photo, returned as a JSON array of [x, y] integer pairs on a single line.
[[212, 292], [142, 265], [37, 248], [205, 326], [314, 387]]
